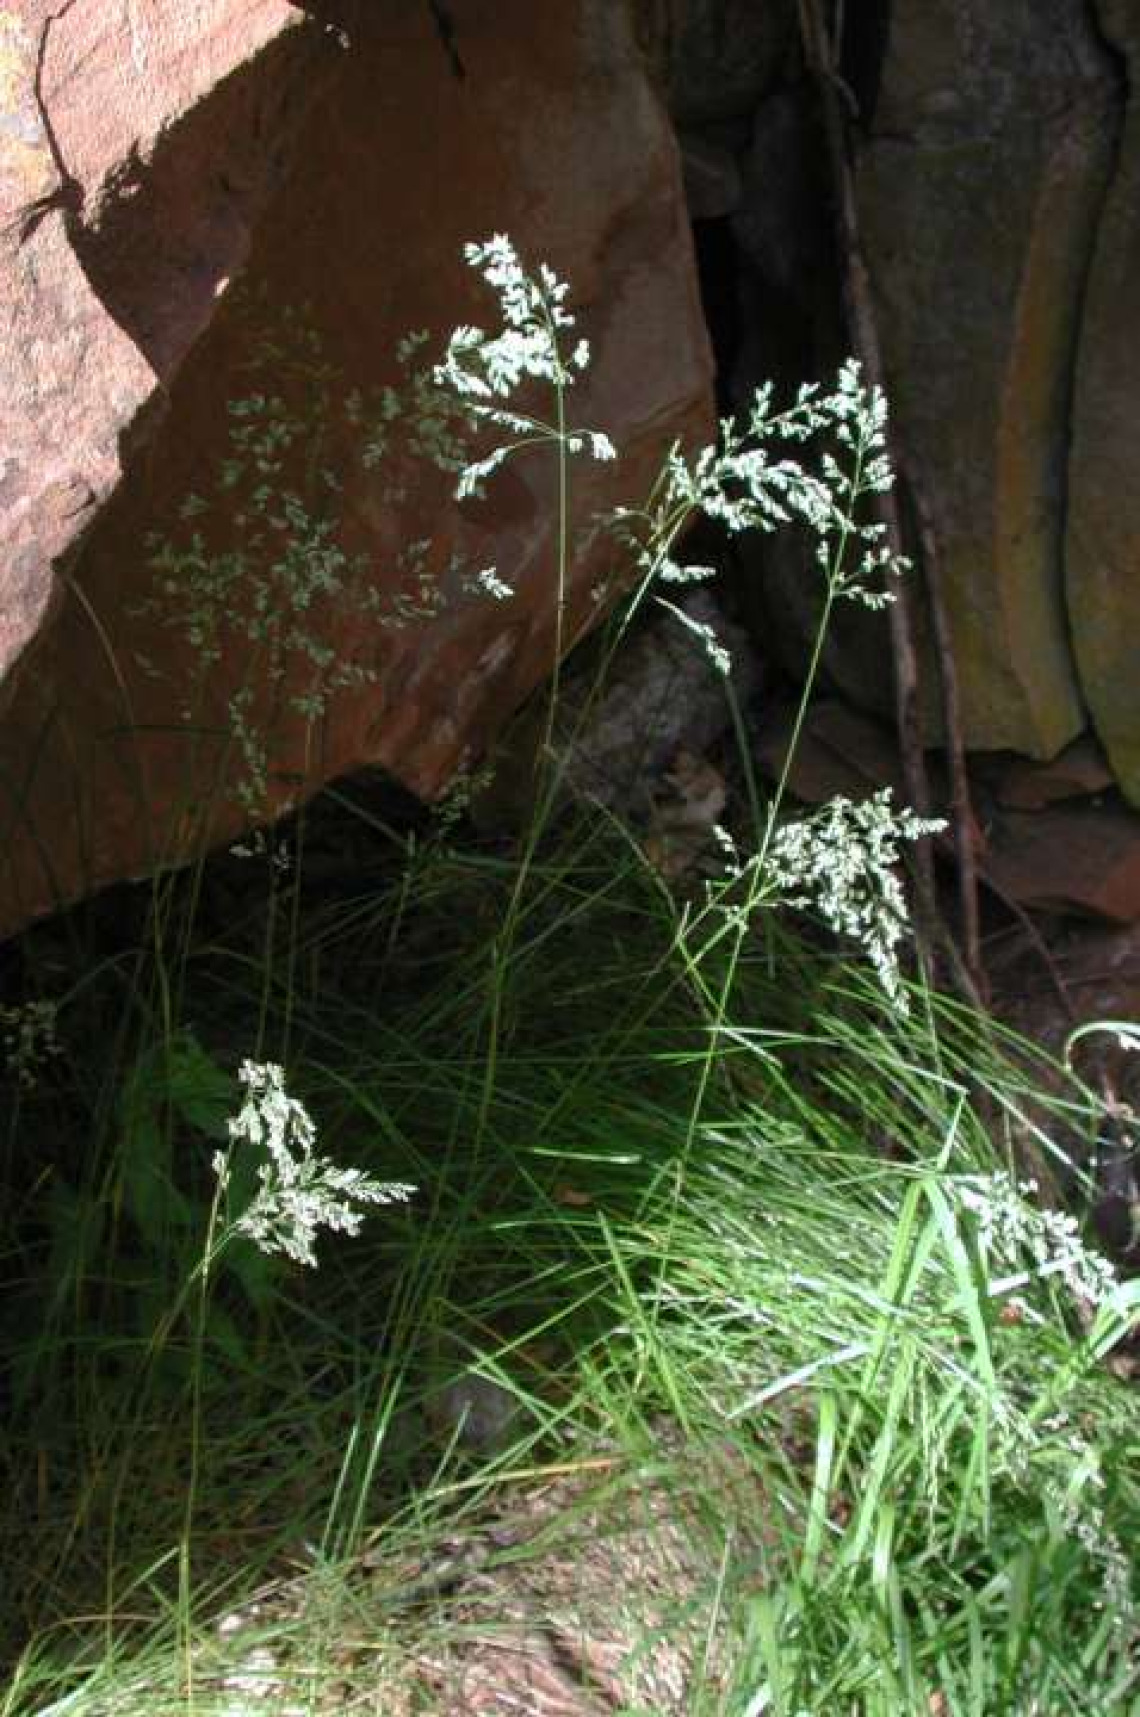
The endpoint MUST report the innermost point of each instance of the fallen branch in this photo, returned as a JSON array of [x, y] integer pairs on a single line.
[[835, 105], [963, 822]]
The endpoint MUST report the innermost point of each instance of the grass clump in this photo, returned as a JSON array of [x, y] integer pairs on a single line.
[[828, 1283], [704, 1349]]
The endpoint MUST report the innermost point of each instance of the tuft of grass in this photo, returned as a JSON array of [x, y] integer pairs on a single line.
[[732, 1356], [660, 1243]]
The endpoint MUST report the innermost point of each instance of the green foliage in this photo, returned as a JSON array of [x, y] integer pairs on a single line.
[[173, 1094], [694, 1188], [817, 1275], [265, 598]]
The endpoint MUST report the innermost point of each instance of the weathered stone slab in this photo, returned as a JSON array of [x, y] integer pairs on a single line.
[[113, 247], [353, 177], [1081, 771], [1103, 551], [1082, 858], [980, 187]]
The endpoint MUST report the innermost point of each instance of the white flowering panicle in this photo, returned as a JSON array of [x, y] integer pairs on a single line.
[[758, 476], [29, 1039], [480, 371], [1021, 1242], [1022, 1238], [750, 480], [706, 637], [1078, 1508], [843, 862], [299, 1192], [488, 580]]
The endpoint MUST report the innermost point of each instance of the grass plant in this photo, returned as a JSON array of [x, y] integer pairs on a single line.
[[717, 1229], [943, 1468]]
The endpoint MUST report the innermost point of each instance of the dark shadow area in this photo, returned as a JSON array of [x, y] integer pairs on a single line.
[[171, 231]]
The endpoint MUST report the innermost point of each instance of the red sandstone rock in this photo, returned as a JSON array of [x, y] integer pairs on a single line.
[[1078, 772], [981, 182], [341, 182], [129, 173], [1102, 564], [1071, 858]]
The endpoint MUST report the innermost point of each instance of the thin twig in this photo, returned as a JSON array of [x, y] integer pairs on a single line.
[[863, 329], [963, 821]]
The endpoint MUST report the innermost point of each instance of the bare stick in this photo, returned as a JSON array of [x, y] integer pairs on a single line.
[[819, 52], [963, 821]]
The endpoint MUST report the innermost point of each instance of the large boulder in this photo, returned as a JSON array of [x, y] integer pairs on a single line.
[[222, 644], [135, 152], [1103, 558], [980, 186]]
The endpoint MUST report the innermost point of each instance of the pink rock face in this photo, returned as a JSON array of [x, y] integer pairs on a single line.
[[1078, 858], [113, 246], [217, 652]]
